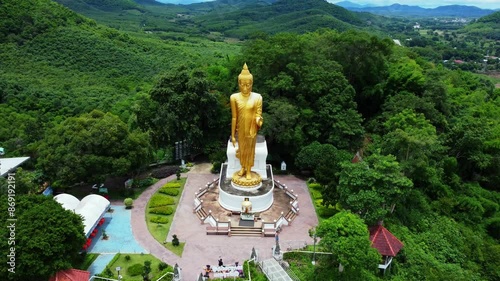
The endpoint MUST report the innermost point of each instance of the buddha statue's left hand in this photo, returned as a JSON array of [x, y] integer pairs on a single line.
[[259, 120]]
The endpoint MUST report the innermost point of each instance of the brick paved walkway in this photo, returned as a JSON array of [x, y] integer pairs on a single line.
[[202, 249]]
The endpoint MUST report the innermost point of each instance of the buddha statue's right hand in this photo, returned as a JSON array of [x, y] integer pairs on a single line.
[[233, 140]]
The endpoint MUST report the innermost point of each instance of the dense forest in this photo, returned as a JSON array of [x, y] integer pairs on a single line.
[[103, 88]]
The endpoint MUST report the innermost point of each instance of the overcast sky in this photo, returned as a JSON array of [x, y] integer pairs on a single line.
[[485, 4]]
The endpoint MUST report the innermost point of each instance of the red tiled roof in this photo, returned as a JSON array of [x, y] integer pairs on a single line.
[[382, 240], [71, 275], [357, 158]]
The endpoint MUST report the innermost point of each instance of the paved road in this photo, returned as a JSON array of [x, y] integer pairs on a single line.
[[202, 249]]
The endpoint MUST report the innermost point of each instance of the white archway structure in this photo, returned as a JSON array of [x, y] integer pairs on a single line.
[[92, 208]]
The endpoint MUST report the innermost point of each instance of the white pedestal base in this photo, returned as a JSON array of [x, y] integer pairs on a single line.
[[259, 165]]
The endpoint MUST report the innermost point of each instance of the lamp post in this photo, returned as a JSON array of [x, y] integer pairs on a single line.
[[312, 232], [118, 269]]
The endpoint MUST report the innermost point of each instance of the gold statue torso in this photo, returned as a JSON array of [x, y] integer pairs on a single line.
[[246, 113]]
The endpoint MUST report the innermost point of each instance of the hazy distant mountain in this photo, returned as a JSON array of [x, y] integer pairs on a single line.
[[347, 4], [184, 2], [398, 10]]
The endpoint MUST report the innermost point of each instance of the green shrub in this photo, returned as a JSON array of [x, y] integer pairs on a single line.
[[135, 270], [143, 183], [162, 210], [160, 200], [326, 212], [215, 167], [162, 266], [315, 186], [175, 240], [172, 185], [169, 191], [158, 219], [127, 258], [128, 202], [316, 194]]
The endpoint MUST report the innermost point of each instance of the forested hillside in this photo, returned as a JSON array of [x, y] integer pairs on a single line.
[[291, 16], [88, 101], [488, 26], [56, 64]]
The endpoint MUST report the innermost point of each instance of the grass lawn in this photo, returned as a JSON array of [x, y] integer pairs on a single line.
[[160, 230], [121, 261], [301, 265]]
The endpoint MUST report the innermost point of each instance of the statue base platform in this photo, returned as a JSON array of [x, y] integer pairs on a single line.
[[230, 198], [242, 183], [247, 217]]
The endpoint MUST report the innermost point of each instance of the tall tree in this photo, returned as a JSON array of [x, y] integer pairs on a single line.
[[288, 69], [372, 187], [92, 147], [346, 236], [364, 62], [184, 107], [325, 161], [47, 238]]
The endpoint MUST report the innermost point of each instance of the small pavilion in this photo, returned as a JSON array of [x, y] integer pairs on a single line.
[[386, 244]]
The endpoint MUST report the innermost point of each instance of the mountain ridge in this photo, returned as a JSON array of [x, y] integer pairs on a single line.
[[400, 10]]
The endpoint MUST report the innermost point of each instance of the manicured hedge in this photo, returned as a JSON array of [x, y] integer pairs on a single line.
[[172, 185], [158, 219], [160, 200], [169, 191], [163, 210]]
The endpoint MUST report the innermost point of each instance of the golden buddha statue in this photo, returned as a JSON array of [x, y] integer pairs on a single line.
[[246, 113]]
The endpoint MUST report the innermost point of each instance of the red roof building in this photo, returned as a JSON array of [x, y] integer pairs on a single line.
[[384, 241], [357, 158], [71, 275]]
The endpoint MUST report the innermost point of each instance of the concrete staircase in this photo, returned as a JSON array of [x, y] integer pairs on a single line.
[[290, 216], [248, 231], [201, 214]]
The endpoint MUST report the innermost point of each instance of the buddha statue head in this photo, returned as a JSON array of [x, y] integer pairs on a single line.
[[245, 81]]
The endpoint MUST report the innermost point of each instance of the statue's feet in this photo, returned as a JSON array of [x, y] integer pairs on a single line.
[[248, 175], [241, 172]]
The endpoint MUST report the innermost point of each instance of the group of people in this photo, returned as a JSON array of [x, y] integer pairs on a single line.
[[221, 270]]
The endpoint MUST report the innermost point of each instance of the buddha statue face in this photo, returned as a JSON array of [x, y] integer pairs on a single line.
[[245, 84]]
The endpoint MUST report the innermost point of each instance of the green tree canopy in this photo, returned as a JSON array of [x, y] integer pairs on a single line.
[[90, 148], [325, 161], [48, 238], [372, 187], [183, 106], [346, 236]]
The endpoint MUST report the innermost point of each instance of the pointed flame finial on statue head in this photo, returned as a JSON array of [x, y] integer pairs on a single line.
[[245, 73]]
